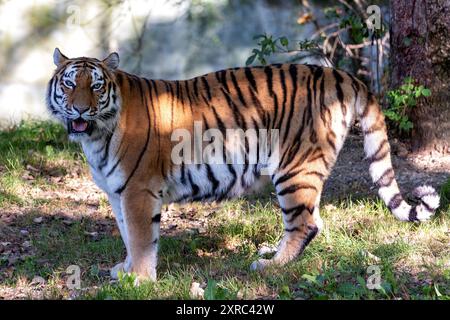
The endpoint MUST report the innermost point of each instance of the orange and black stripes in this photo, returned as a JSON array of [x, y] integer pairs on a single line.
[[129, 142], [143, 98]]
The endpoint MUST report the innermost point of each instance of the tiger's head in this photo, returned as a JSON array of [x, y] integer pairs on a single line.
[[82, 94]]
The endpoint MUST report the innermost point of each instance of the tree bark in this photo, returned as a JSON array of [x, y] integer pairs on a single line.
[[420, 48]]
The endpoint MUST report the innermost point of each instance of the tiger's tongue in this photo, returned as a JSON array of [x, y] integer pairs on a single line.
[[79, 126]]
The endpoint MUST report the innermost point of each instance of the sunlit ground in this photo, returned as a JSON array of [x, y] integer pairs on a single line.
[[52, 216]]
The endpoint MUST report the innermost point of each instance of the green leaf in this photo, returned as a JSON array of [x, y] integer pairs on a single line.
[[347, 289], [284, 41], [259, 36], [210, 290], [250, 60], [361, 281], [426, 92], [405, 124], [411, 102], [392, 115], [407, 41], [49, 150], [436, 290], [310, 278], [386, 288], [285, 292]]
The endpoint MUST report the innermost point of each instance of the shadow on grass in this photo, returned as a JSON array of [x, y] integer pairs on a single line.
[[48, 247], [8, 198], [58, 242]]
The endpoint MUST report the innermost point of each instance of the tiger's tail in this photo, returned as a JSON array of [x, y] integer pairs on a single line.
[[377, 150]]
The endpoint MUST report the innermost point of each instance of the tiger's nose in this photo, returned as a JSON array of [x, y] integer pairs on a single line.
[[81, 109]]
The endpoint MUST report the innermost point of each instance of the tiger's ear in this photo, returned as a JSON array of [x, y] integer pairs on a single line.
[[112, 61], [58, 57]]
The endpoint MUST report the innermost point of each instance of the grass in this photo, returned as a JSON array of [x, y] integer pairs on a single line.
[[40, 147], [46, 235]]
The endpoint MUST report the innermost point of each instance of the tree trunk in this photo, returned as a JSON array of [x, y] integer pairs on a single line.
[[420, 48]]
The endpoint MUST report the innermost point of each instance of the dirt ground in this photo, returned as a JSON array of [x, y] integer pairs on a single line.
[[351, 172]]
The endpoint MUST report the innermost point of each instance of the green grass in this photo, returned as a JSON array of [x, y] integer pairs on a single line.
[[42, 146], [413, 259], [333, 267]]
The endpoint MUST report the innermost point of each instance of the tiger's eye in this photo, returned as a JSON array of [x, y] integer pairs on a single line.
[[97, 86], [69, 84]]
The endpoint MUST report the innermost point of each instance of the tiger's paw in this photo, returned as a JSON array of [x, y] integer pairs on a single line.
[[138, 279], [260, 264], [267, 249], [120, 267], [114, 272]]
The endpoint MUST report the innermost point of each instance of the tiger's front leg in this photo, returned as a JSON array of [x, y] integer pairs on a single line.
[[142, 213], [114, 201]]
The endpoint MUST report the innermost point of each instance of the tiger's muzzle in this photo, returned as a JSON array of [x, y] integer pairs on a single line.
[[80, 126]]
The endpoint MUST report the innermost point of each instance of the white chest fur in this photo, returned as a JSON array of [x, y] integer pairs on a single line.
[[102, 161]]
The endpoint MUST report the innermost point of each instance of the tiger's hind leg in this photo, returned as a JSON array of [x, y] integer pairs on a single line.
[[298, 192]]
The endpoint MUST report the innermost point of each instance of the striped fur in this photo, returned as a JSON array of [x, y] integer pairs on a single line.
[[132, 120]]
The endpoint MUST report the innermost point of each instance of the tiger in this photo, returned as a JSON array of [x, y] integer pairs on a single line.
[[125, 124]]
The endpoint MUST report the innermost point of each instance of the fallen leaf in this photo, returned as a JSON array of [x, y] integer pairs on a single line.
[[370, 256], [37, 220], [201, 230], [12, 260], [37, 281], [195, 291], [31, 168], [26, 244], [115, 232], [307, 17], [27, 175], [92, 234], [202, 253]]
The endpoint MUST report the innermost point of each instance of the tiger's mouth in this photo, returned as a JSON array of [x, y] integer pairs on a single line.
[[79, 126]]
